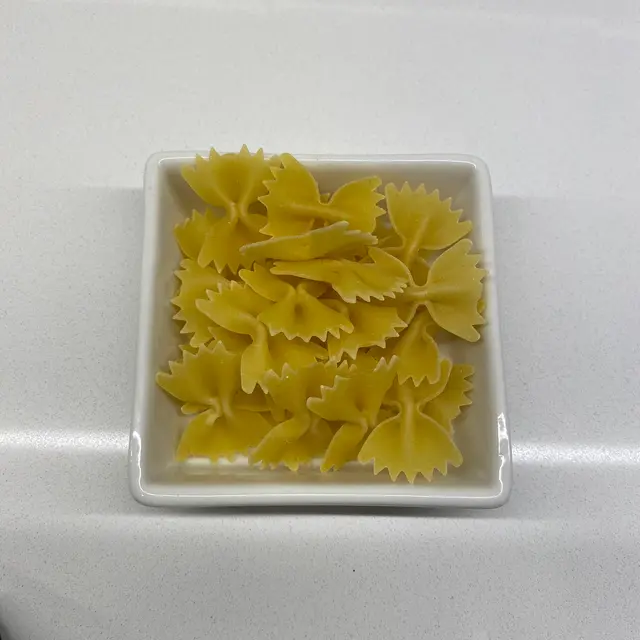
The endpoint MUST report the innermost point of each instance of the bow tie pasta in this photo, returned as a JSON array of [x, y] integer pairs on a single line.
[[317, 323]]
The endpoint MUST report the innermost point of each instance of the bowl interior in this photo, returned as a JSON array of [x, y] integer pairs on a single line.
[[161, 422]]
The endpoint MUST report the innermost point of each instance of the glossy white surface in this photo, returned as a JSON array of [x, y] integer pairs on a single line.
[[481, 432], [547, 94]]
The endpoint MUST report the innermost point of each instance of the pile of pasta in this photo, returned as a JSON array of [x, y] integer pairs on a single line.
[[313, 320]]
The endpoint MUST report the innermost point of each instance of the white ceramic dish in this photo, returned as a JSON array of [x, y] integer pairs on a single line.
[[483, 480]]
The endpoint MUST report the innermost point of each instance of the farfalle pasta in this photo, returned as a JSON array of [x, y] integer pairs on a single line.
[[237, 308], [294, 311], [411, 441], [380, 276], [452, 291], [422, 221], [334, 239], [208, 385], [416, 350], [232, 182], [302, 435], [195, 281], [312, 320], [373, 325], [354, 401], [294, 204]]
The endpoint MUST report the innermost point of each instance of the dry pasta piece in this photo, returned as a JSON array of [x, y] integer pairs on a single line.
[[428, 446], [234, 182], [261, 402], [443, 399], [294, 386], [354, 400], [195, 281], [223, 242], [447, 405], [294, 203], [207, 382], [419, 272], [426, 391], [236, 308], [202, 378], [236, 342], [417, 351], [294, 312], [383, 277], [452, 291], [334, 239], [214, 435], [423, 221], [407, 308], [301, 436], [372, 324], [411, 442], [191, 233], [365, 360], [274, 288], [257, 401], [265, 284], [280, 350], [295, 352], [267, 354], [300, 315], [293, 442]]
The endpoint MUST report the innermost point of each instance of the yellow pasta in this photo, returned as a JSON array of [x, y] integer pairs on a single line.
[[236, 308], [372, 325], [382, 277], [335, 239], [190, 235], [295, 352], [293, 442], [223, 242], [354, 401], [233, 182], [452, 291], [313, 320], [411, 442], [416, 350], [447, 405], [295, 312], [303, 435], [207, 382], [195, 281], [422, 220], [232, 341], [294, 203]]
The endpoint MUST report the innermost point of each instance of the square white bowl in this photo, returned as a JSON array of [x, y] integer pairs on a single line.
[[481, 432]]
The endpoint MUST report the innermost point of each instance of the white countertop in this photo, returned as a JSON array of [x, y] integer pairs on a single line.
[[549, 96]]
